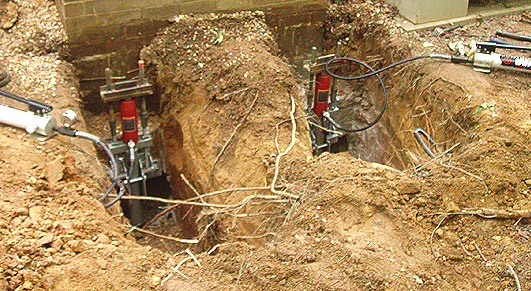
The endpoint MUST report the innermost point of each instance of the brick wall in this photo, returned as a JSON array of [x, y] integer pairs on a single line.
[[113, 31]]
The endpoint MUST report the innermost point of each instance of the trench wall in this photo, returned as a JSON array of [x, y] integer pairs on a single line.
[[111, 32]]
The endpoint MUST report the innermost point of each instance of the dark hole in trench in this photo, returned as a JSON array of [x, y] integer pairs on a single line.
[[391, 141]]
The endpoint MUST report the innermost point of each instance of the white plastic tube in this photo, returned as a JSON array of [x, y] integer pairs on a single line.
[[32, 123]]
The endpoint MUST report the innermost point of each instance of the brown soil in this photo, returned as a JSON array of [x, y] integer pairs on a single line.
[[357, 225]]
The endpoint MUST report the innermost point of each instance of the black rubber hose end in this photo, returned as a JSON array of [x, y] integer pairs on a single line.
[[65, 131]]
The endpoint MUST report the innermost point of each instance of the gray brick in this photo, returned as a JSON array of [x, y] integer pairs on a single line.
[[119, 17], [198, 6], [312, 5], [74, 9], [280, 10], [160, 13], [146, 4], [234, 5], [106, 6], [261, 3]]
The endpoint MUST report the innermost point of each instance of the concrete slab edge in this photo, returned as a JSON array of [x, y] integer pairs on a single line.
[[408, 26]]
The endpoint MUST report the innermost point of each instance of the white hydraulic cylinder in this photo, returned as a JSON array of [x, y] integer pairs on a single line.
[[27, 120]]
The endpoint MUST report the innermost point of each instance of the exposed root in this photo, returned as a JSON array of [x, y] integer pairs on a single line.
[[420, 94], [325, 129], [189, 252], [281, 154], [492, 213], [515, 276], [180, 240], [487, 190], [433, 233], [480, 252], [193, 188], [246, 200]]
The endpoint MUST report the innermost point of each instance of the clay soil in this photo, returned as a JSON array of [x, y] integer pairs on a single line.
[[385, 216]]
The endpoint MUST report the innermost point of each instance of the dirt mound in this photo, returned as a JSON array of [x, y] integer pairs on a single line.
[[227, 98]]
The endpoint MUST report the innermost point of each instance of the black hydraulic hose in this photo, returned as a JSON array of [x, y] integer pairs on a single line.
[[5, 81], [114, 166], [374, 72], [327, 114], [121, 193], [454, 59], [33, 104]]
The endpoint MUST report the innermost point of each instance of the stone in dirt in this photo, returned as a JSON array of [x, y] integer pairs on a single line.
[[8, 15], [36, 213], [54, 171]]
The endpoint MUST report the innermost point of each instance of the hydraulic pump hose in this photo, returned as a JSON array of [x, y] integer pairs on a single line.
[[454, 59], [373, 72], [114, 166]]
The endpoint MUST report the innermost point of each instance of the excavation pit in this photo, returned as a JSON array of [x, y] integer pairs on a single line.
[[224, 111], [355, 225]]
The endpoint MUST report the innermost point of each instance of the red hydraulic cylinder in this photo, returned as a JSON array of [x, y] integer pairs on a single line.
[[129, 121], [322, 90]]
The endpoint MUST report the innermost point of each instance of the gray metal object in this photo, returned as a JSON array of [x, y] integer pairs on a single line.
[[323, 134], [513, 35], [486, 59], [135, 163], [438, 31]]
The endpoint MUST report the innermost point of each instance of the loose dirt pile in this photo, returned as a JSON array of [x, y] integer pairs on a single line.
[[227, 109], [356, 225]]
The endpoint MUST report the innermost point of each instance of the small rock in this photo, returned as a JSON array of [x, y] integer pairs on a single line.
[[452, 207], [408, 187], [32, 180], [65, 226], [453, 254], [27, 285], [102, 264], [421, 201], [9, 15], [76, 246], [57, 243], [36, 213], [45, 240], [16, 222], [54, 171], [156, 280], [103, 239], [418, 279]]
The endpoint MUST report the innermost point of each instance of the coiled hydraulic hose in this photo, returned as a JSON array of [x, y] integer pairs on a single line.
[[454, 59], [114, 166]]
